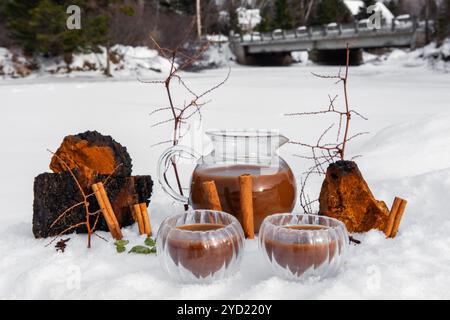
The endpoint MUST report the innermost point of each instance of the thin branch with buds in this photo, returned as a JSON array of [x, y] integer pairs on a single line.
[[179, 115], [323, 154], [85, 202]]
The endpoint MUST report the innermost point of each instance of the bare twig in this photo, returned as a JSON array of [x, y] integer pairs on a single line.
[[180, 114], [322, 153], [84, 202]]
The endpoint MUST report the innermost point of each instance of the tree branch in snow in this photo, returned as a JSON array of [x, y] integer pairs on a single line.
[[179, 115], [323, 153], [84, 203]]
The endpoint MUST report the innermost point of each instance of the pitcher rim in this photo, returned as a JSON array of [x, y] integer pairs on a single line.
[[244, 133]]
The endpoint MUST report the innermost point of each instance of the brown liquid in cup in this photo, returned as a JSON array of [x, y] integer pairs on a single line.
[[299, 257], [201, 226], [200, 255], [273, 192]]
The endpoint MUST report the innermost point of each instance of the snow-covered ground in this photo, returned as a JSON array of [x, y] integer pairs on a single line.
[[406, 154], [127, 62]]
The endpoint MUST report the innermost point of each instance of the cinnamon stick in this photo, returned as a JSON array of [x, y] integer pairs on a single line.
[[105, 212], [110, 210], [139, 218], [392, 214], [398, 217], [144, 212], [246, 196], [212, 196]]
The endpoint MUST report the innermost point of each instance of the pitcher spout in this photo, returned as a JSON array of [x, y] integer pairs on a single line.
[[282, 140]]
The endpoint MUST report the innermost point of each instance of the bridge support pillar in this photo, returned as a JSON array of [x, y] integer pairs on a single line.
[[336, 57]]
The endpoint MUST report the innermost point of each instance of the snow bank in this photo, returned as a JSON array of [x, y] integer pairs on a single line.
[[126, 62], [218, 55], [433, 56], [300, 57]]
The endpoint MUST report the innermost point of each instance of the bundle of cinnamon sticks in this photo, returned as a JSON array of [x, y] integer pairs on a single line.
[[246, 202], [139, 212], [395, 217], [107, 210], [140, 215]]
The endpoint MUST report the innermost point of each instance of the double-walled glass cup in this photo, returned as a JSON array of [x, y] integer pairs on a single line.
[[200, 245], [303, 246]]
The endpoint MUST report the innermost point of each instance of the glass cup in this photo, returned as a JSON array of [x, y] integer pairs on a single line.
[[303, 246], [200, 245]]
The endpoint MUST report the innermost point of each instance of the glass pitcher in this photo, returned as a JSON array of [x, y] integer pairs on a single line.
[[238, 152]]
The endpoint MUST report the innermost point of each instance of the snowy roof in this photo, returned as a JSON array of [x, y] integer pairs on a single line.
[[355, 5]]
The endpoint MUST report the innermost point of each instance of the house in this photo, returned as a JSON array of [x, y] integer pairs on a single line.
[[248, 18], [354, 7]]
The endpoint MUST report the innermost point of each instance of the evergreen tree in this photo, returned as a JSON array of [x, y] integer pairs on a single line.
[[362, 14], [17, 15], [183, 6], [397, 7], [100, 13], [328, 11], [264, 25], [230, 21], [40, 26], [393, 7], [443, 20], [282, 17], [48, 21]]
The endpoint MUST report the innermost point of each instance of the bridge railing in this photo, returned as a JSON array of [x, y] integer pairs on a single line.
[[330, 30]]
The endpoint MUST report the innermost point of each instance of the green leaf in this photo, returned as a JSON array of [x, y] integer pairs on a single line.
[[150, 242], [120, 249], [121, 243], [141, 250]]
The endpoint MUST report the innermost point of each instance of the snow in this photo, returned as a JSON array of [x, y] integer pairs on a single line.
[[218, 54], [218, 38], [406, 154], [385, 12], [444, 49], [134, 61], [354, 6], [432, 56], [300, 56]]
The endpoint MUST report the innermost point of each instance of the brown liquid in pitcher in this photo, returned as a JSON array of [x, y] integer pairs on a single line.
[[273, 192], [299, 257], [201, 255]]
